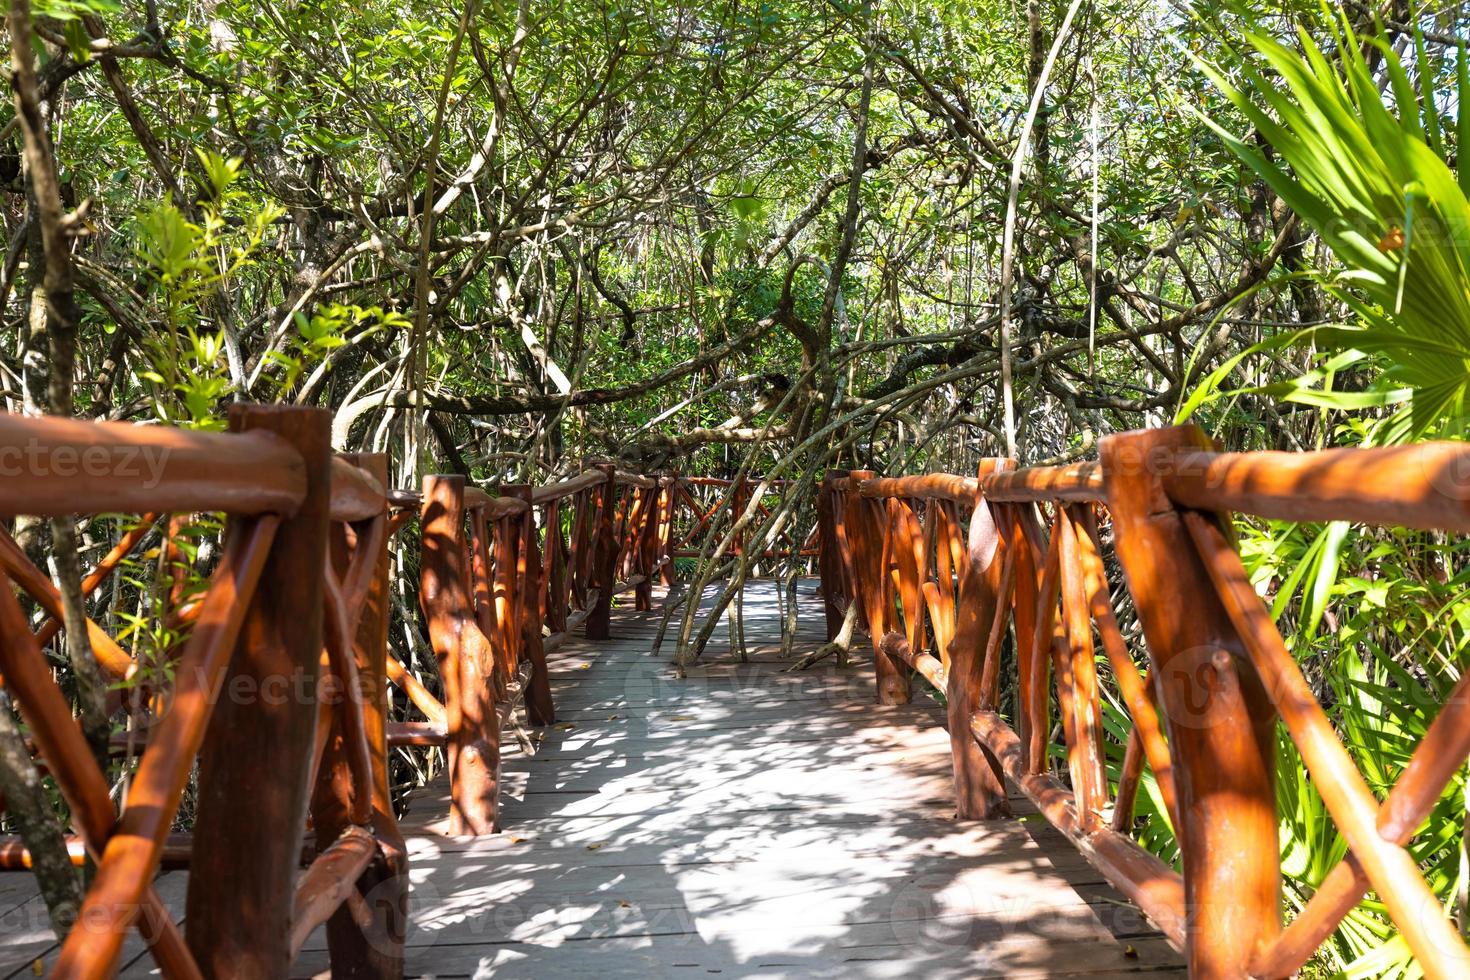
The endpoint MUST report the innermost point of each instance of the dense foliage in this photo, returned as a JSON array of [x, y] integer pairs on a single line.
[[500, 238]]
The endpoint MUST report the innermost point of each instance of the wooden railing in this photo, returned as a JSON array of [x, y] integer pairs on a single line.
[[497, 598], [279, 688], [1029, 575]]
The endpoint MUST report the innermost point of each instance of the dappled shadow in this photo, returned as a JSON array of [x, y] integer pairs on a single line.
[[746, 822]]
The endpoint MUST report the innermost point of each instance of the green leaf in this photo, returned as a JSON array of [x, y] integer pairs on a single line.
[[71, 10]]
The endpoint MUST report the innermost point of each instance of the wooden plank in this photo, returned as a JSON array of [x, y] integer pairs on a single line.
[[941, 950], [743, 820], [746, 823], [25, 934], [34, 940]]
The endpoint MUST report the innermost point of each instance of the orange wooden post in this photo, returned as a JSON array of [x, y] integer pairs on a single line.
[[543, 585], [589, 502], [854, 529], [505, 639], [1034, 636], [829, 561], [556, 569], [1374, 832], [1013, 521], [1221, 723], [740, 499], [604, 547], [1138, 694], [868, 532], [629, 536], [481, 576], [371, 947], [667, 501], [843, 520], [466, 663], [1085, 752], [622, 521], [256, 756], [578, 547], [980, 791], [909, 554], [529, 616], [941, 527], [643, 541], [175, 567]]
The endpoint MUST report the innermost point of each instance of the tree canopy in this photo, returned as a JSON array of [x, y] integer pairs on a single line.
[[776, 237], [490, 230]]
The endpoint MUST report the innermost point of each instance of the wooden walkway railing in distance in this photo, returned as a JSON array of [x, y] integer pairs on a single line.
[[279, 690], [289, 614], [943, 600], [500, 589]]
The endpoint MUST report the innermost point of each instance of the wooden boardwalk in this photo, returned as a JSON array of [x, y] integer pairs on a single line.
[[744, 822]]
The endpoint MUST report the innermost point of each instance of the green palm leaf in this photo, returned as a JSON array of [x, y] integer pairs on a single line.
[[1374, 184]]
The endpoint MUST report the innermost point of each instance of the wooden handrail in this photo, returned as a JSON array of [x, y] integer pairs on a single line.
[[329, 882], [627, 479], [585, 480], [721, 481], [938, 602], [356, 495], [55, 467], [502, 506], [930, 486], [1425, 486], [1073, 482], [287, 451], [530, 587], [304, 570]]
